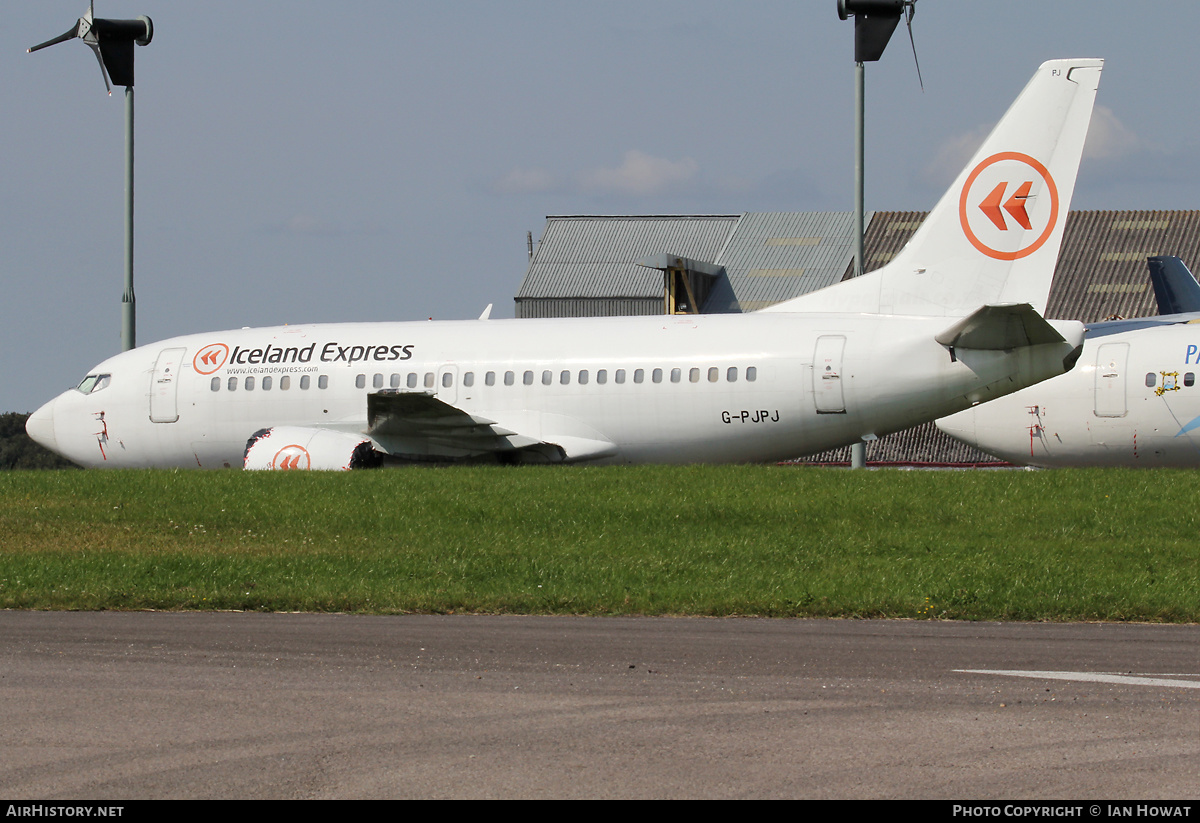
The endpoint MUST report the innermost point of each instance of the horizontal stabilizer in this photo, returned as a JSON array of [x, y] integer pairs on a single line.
[[997, 328]]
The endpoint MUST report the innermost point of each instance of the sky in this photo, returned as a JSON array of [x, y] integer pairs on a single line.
[[300, 162]]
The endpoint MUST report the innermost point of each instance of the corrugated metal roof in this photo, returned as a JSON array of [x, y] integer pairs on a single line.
[[921, 445], [774, 256], [887, 232], [1102, 268], [590, 306], [588, 256]]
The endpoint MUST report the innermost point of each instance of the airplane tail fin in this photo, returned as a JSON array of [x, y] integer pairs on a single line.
[[994, 236], [1175, 289]]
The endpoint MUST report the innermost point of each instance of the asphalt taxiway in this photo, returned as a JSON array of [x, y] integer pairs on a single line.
[[181, 705]]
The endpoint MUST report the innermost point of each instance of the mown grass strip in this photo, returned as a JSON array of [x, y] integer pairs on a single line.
[[1009, 545]]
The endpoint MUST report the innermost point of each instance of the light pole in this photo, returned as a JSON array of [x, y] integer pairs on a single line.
[[112, 42], [874, 22]]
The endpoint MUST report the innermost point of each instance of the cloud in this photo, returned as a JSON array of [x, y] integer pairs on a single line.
[[525, 181], [953, 154], [640, 174], [308, 225], [1108, 137]]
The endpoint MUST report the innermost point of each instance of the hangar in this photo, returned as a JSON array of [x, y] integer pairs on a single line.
[[592, 265]]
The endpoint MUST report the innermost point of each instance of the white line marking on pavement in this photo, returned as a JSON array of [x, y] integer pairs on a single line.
[[1097, 677]]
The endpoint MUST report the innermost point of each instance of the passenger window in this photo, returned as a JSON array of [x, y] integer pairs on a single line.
[[694, 375], [285, 383], [232, 384], [731, 375], [360, 381], [377, 381], [215, 385], [527, 378], [676, 375], [429, 380], [266, 383], [489, 379], [394, 381], [619, 377], [657, 376], [638, 375], [304, 382], [564, 377], [1150, 380], [412, 380], [751, 374], [583, 377], [469, 378], [714, 374], [1189, 379], [249, 384], [602, 376], [323, 381], [447, 379], [510, 378], [547, 377]]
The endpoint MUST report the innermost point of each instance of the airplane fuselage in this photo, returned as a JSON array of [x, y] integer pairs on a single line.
[[668, 389], [953, 319], [1131, 401]]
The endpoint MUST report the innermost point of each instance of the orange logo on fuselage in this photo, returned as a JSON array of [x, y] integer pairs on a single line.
[[291, 457], [210, 358]]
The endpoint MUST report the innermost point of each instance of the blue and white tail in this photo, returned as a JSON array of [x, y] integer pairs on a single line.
[[994, 236]]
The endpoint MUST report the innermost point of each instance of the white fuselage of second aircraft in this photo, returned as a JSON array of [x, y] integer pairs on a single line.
[[1132, 400], [716, 388]]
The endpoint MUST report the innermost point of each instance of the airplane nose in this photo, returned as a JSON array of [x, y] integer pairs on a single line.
[[960, 426], [40, 427]]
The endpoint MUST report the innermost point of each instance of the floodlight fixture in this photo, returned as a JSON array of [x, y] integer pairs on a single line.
[[112, 42]]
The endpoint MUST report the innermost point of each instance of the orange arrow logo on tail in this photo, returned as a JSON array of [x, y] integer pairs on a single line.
[[1007, 165], [1015, 206]]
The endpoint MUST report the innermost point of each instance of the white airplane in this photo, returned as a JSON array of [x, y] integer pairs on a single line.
[[953, 320], [1131, 401]]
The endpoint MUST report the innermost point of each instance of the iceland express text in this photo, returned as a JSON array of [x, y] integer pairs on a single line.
[[330, 353]]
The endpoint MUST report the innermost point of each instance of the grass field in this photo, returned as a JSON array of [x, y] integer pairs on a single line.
[[776, 541]]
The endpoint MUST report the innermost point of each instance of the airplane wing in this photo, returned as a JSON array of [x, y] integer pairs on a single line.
[[419, 426]]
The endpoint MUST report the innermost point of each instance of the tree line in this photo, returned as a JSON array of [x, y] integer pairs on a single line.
[[18, 451]]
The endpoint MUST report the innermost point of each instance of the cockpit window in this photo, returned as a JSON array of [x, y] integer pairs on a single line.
[[94, 383]]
